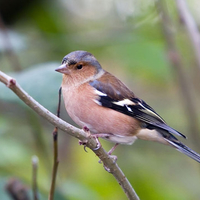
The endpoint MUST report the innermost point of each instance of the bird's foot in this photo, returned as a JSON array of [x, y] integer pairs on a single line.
[[89, 135], [84, 142], [97, 140], [107, 169], [114, 158]]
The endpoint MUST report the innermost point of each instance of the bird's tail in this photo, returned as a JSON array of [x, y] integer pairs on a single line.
[[174, 142], [184, 149]]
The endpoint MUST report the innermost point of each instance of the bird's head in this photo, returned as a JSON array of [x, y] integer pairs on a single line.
[[79, 65]]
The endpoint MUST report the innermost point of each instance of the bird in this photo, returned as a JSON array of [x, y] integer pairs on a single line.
[[99, 102]]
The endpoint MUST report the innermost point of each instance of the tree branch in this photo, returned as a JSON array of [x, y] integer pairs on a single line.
[[34, 177], [55, 163], [191, 27], [55, 150], [16, 190], [108, 162], [178, 67]]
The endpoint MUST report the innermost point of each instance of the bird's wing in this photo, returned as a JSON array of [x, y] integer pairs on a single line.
[[115, 95], [112, 87]]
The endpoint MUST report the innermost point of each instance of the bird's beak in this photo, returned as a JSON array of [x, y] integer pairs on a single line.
[[62, 69]]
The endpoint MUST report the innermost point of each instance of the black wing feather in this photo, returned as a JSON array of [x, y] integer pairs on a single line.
[[139, 109], [115, 98]]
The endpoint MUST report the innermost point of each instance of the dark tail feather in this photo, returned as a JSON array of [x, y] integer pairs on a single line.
[[184, 149]]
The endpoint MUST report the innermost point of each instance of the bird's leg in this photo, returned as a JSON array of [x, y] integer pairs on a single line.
[[113, 148], [111, 151], [114, 158], [106, 136]]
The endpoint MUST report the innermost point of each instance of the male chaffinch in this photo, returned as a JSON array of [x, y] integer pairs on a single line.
[[96, 99]]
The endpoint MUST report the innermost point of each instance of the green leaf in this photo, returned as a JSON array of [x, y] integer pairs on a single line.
[[75, 190], [144, 58], [41, 82]]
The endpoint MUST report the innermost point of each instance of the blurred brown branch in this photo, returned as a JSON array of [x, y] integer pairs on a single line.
[[34, 177], [55, 149], [191, 27], [17, 190], [55, 163], [178, 67], [107, 160]]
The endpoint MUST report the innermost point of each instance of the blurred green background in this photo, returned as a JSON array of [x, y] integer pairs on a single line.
[[126, 36]]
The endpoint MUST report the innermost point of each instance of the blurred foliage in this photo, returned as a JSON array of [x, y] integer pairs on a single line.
[[126, 37]]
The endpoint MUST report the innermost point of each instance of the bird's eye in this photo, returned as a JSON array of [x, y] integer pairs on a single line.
[[79, 66], [64, 61]]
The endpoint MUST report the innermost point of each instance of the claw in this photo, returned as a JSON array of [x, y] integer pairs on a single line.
[[98, 144], [85, 148], [107, 169], [84, 144], [87, 130], [114, 158]]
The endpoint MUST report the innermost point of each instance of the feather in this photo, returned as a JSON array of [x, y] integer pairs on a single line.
[[185, 150], [118, 97], [112, 87]]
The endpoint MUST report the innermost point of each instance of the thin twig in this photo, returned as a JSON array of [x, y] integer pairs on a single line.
[[191, 28], [55, 156], [55, 163], [59, 101], [178, 67], [34, 178], [108, 162]]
